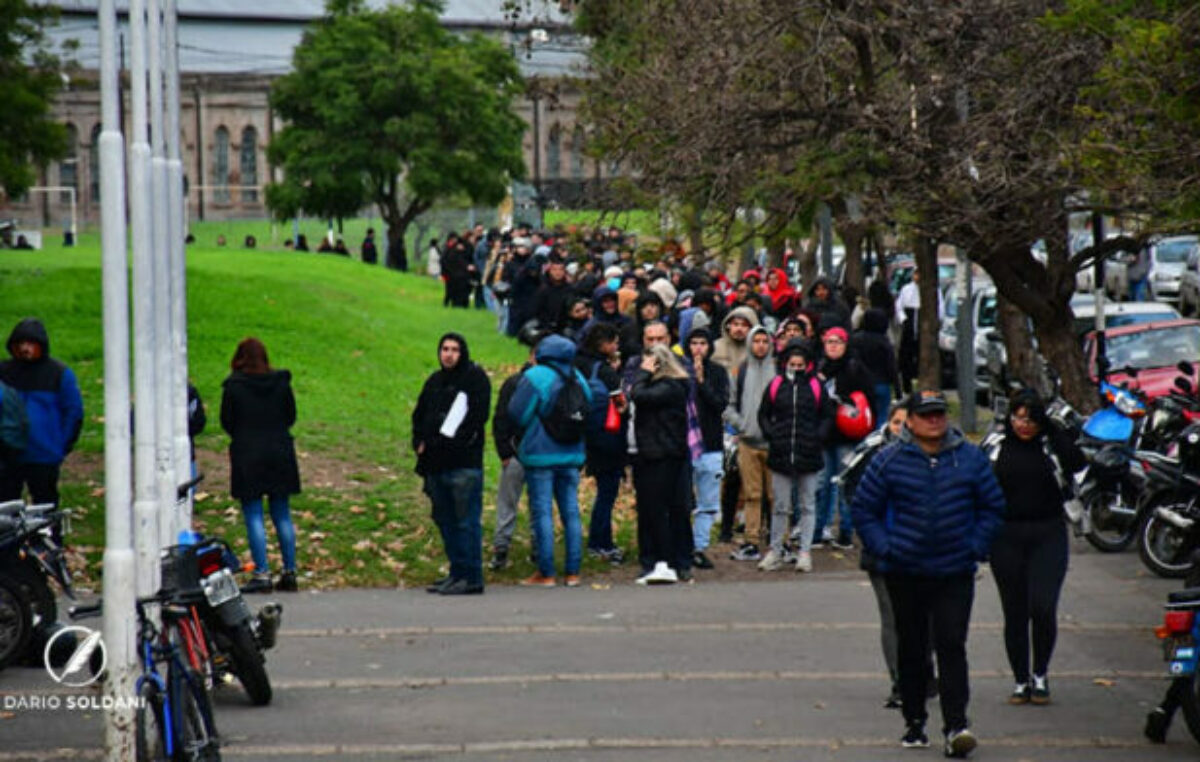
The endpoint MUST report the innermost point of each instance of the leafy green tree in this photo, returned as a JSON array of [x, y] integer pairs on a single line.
[[388, 107], [29, 80]]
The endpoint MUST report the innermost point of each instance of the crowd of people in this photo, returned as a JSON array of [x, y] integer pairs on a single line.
[[755, 414]]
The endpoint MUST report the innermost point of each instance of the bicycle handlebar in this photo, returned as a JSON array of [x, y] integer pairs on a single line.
[[86, 612]]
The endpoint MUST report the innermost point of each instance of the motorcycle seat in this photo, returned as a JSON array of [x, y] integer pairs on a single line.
[[1187, 595]]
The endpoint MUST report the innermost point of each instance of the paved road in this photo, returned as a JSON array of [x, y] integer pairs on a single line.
[[783, 668]]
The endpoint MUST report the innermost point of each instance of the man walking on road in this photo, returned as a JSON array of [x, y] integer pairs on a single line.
[[927, 508]]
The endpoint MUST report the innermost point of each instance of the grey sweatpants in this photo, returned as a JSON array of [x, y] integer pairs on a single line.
[[781, 508], [508, 496]]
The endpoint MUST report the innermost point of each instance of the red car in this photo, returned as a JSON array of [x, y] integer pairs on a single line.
[[1153, 348]]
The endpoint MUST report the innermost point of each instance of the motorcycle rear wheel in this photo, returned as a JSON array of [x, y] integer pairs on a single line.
[[1108, 532], [1164, 548], [16, 622], [248, 665]]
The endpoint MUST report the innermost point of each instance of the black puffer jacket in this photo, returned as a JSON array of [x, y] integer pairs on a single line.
[[843, 377], [257, 410], [660, 417], [794, 421]]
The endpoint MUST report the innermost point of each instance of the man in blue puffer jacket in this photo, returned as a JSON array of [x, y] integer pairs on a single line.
[[55, 410], [551, 467], [927, 508]]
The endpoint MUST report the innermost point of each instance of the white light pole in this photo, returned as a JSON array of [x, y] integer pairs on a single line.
[[178, 259], [119, 565], [146, 506]]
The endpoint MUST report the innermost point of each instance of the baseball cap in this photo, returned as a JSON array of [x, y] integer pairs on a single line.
[[927, 401]]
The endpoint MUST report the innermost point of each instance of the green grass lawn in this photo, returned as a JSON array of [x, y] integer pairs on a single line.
[[359, 341]]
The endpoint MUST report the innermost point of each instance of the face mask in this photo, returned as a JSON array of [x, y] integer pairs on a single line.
[[791, 374]]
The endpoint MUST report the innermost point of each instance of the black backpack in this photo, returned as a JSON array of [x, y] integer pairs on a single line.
[[567, 418]]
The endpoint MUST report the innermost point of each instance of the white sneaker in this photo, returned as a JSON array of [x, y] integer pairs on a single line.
[[772, 562], [662, 574], [803, 562]]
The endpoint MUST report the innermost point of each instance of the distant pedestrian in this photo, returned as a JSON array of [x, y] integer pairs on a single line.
[[1034, 462], [507, 436], [258, 410], [53, 406], [928, 507], [872, 346], [605, 448], [448, 438], [370, 254], [749, 387], [708, 396], [433, 260]]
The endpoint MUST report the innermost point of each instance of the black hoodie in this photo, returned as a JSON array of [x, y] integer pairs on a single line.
[[257, 411], [712, 396], [875, 349], [465, 448]]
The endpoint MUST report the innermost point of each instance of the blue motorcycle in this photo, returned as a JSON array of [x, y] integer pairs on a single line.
[[1110, 485]]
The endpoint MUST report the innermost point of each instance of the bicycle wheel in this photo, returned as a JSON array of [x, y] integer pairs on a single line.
[[16, 622], [151, 744], [192, 717]]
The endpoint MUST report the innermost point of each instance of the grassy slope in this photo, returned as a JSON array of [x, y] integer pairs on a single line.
[[359, 342]]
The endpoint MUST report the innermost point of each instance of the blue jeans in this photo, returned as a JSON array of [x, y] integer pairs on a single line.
[[546, 487], [256, 533], [1139, 290], [457, 497], [881, 400], [707, 472], [600, 536], [830, 496]]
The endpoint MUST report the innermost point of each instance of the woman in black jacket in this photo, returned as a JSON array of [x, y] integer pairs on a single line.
[[796, 415], [661, 476], [1033, 462], [257, 410]]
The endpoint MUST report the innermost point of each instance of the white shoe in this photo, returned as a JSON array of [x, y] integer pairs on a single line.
[[803, 561], [662, 574], [772, 562]]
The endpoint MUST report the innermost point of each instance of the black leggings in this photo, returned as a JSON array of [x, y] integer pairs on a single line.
[[1029, 562], [664, 516]]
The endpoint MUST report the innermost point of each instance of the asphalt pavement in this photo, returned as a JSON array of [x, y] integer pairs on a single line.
[[781, 667]]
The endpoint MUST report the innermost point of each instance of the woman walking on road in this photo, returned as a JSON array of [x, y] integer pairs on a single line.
[[257, 411], [1033, 462]]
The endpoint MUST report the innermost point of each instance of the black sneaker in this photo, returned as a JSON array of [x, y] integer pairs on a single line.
[[615, 556], [844, 542], [1020, 694], [960, 743], [701, 561], [461, 587], [287, 582], [260, 584], [914, 737], [437, 585], [893, 700], [1157, 723], [748, 552], [1041, 690], [499, 560]]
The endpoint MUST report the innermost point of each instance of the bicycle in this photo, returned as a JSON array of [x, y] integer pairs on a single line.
[[174, 717]]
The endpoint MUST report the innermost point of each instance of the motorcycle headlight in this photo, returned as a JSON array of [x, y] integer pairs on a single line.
[[1128, 405]]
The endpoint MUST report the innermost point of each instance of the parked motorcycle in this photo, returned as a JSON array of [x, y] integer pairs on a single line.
[[31, 555], [1180, 633], [1170, 530], [1109, 487], [238, 637]]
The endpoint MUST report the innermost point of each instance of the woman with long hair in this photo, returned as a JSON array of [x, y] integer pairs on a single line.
[[257, 411], [662, 473]]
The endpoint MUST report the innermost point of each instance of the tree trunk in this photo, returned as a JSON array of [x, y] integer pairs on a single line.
[[853, 235], [397, 253], [695, 234], [1022, 367], [930, 373], [807, 262], [1061, 348], [397, 227]]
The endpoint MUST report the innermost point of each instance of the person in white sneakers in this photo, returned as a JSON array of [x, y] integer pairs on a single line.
[[795, 415]]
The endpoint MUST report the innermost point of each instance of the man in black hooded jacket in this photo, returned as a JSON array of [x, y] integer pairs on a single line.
[[448, 438], [708, 396]]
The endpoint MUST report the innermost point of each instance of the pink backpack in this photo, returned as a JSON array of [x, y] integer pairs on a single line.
[[813, 384]]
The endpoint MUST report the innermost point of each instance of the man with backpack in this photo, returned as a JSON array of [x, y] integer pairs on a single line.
[[49, 394], [551, 406]]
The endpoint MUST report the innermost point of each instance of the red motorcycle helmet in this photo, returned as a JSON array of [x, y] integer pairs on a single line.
[[854, 419]]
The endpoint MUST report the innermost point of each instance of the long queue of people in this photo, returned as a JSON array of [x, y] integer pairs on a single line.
[[786, 416]]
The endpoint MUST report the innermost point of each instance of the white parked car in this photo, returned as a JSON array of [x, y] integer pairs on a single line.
[[1167, 259], [1189, 283]]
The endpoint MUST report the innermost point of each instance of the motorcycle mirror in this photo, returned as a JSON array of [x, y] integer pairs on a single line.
[[1186, 367], [1183, 385]]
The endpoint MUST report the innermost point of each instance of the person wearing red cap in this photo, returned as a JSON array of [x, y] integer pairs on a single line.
[[843, 374]]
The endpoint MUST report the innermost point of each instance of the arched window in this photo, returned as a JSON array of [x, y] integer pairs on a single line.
[[249, 165], [221, 166], [68, 171], [577, 154], [94, 165], [554, 153]]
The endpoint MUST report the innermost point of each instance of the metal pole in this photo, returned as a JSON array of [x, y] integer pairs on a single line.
[[175, 218], [965, 342], [145, 507], [119, 570]]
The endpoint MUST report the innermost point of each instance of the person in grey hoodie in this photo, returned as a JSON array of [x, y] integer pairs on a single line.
[[729, 351], [753, 378]]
